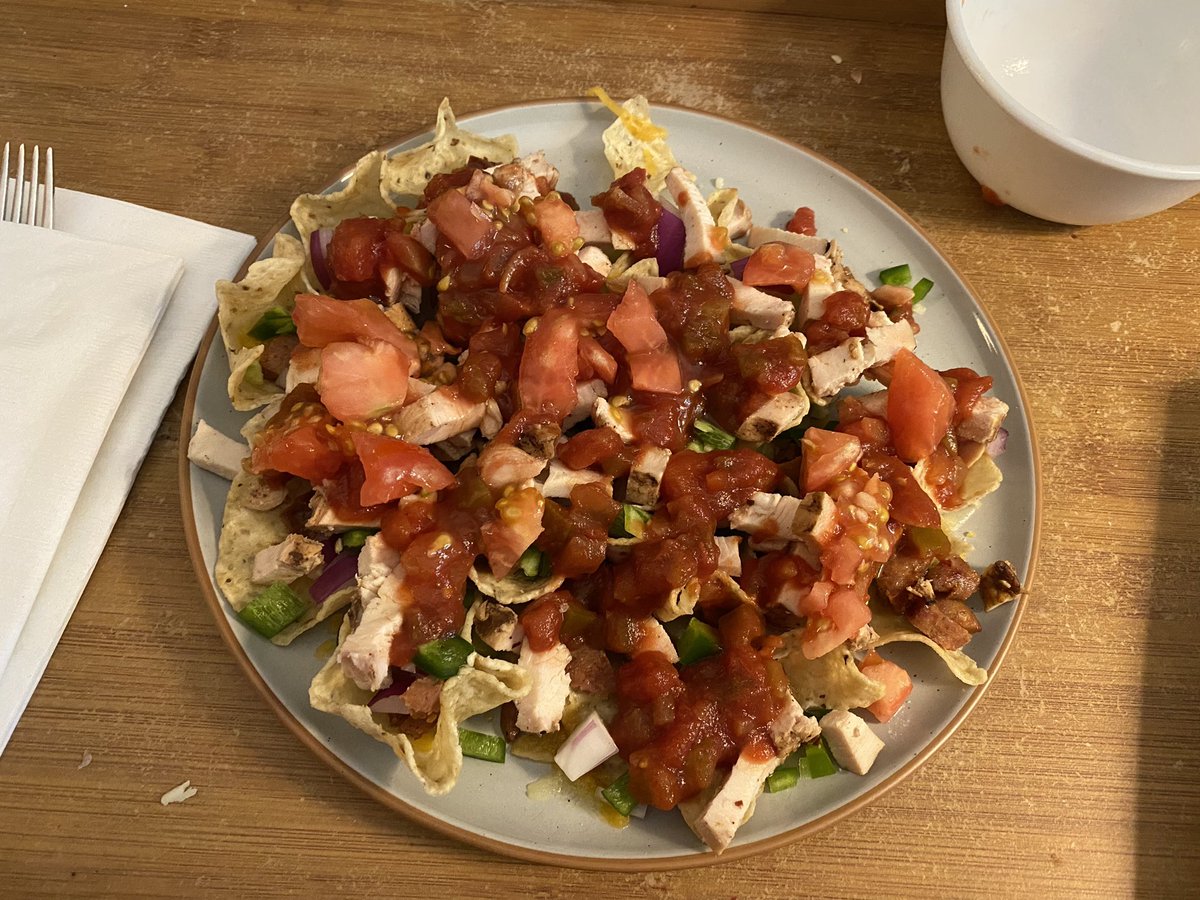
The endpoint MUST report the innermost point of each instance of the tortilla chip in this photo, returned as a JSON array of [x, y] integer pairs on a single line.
[[622, 272], [633, 140], [983, 476], [890, 626], [515, 588], [832, 681], [259, 420], [407, 173], [268, 283], [245, 531], [360, 197], [481, 685]]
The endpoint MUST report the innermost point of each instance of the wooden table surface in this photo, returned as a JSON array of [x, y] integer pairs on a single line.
[[1078, 774]]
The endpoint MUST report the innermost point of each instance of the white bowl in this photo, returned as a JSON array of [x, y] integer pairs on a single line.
[[1077, 111]]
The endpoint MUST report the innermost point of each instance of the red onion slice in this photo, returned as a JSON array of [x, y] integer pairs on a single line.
[[318, 251], [589, 745], [336, 576], [391, 698], [738, 266], [671, 237], [999, 443]]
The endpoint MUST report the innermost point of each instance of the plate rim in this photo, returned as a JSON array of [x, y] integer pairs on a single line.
[[675, 862]]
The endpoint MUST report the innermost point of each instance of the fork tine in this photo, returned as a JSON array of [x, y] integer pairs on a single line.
[[48, 201], [19, 197], [31, 216], [4, 184]]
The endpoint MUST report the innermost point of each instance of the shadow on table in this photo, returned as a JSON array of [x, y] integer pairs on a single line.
[[1168, 803]]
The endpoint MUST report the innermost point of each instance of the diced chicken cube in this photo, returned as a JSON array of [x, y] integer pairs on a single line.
[[703, 241], [984, 422], [325, 520], [654, 638], [840, 366], [541, 710], [593, 228], [561, 480], [645, 476], [851, 741], [760, 235], [215, 452], [777, 415], [888, 338], [383, 595], [596, 259], [820, 288], [303, 368], [729, 557], [604, 414], [439, 415], [586, 393], [750, 306], [503, 464], [716, 821], [292, 558], [401, 288], [492, 420], [496, 625], [426, 235], [778, 519]]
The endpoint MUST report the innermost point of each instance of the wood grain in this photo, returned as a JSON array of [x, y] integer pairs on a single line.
[[1079, 773]]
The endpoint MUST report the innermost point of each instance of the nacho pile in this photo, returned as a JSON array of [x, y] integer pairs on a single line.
[[651, 478]]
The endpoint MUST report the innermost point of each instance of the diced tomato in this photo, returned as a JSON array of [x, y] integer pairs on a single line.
[[590, 447], [543, 620], [550, 365], [631, 210], [841, 560], [827, 454], [844, 615], [354, 248], [403, 523], [910, 504], [872, 432], [634, 323], [783, 264], [803, 221], [846, 311], [296, 441], [517, 524], [465, 225], [360, 381], [968, 388], [396, 468], [920, 407], [410, 257], [656, 370], [556, 221], [896, 681], [323, 320], [600, 361]]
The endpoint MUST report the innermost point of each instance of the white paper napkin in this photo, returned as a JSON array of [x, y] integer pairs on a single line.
[[140, 245]]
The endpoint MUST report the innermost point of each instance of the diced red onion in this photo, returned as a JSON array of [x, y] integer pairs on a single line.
[[391, 698], [999, 443], [738, 266], [318, 250], [671, 238], [336, 576], [588, 746]]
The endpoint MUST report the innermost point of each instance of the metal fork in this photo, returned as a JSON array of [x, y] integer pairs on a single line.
[[24, 200]]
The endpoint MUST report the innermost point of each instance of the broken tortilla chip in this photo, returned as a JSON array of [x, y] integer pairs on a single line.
[[406, 173], [240, 305], [890, 626], [360, 197], [832, 681], [514, 588], [481, 685], [982, 477], [633, 141]]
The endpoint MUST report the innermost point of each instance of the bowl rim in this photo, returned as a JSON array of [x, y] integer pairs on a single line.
[[957, 34]]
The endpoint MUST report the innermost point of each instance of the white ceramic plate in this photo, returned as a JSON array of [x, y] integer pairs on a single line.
[[489, 806]]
